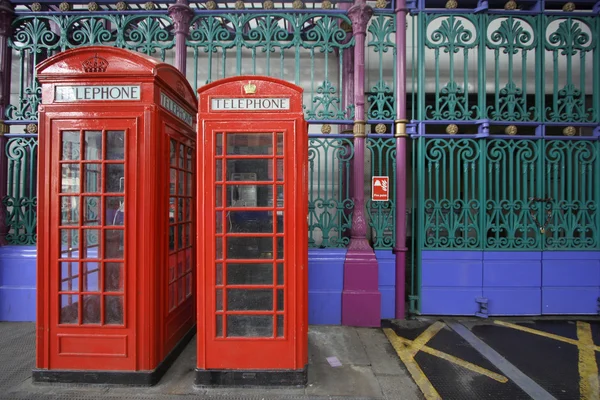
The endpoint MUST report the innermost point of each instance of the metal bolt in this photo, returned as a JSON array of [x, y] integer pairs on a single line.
[[569, 131], [121, 6], [211, 5], [36, 7], [380, 128], [510, 5], [570, 6], [149, 6], [380, 4], [239, 5], [326, 5], [64, 6], [298, 4], [31, 128], [93, 6], [326, 128], [268, 5], [510, 130], [451, 4], [452, 129]]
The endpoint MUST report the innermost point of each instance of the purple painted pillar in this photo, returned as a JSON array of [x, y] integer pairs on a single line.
[[401, 136], [361, 300], [6, 17], [182, 15]]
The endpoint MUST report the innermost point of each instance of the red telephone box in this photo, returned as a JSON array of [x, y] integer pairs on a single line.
[[252, 209], [116, 255]]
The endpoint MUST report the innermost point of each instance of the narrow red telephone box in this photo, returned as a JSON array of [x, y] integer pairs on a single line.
[[116, 221], [252, 210]]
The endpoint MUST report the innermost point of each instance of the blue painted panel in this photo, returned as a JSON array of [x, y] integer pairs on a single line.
[[451, 272], [570, 300], [450, 301], [513, 273], [17, 304], [571, 255], [451, 255], [17, 283], [325, 308], [512, 255], [388, 301], [387, 267], [326, 269], [563, 273], [513, 301]]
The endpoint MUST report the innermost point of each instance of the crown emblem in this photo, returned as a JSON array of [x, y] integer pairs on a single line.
[[95, 64], [250, 88]]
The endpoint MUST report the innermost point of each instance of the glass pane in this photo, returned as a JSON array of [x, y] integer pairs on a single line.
[[280, 326], [180, 264], [219, 222], [188, 285], [280, 222], [69, 210], [190, 158], [115, 145], [280, 274], [70, 145], [114, 279], [188, 184], [219, 326], [69, 243], [91, 211], [172, 154], [249, 325], [279, 196], [180, 291], [172, 181], [114, 241], [172, 209], [249, 299], [70, 178], [115, 178], [280, 248], [181, 183], [113, 310], [219, 300], [115, 210], [69, 309], [179, 236], [91, 245], [188, 235], [280, 299], [249, 274], [250, 221], [219, 274], [249, 196], [171, 237], [171, 296], [219, 249], [249, 247], [69, 276], [219, 144], [93, 145], [219, 196], [238, 169], [219, 171], [279, 143], [279, 169], [250, 143], [91, 309], [172, 267], [181, 156], [92, 178], [90, 276], [188, 209], [188, 260], [180, 210]]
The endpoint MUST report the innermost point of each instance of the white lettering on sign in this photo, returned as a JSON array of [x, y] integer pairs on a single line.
[[251, 104], [86, 93], [380, 188], [175, 109]]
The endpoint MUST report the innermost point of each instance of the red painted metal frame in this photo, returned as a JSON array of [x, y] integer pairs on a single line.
[[259, 353], [149, 331]]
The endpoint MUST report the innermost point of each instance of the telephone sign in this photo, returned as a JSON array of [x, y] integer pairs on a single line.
[[380, 188]]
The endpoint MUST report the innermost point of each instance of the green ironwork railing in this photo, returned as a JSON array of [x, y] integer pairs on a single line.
[[382, 93]]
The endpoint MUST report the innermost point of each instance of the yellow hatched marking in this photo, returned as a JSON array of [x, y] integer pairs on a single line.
[[425, 337], [589, 387]]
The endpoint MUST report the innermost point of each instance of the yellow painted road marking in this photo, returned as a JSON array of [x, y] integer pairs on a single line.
[[589, 387], [407, 349]]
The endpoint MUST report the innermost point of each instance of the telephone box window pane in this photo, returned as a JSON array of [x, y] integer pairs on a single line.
[[93, 145], [219, 300], [279, 221], [219, 171], [219, 250], [91, 244], [249, 299], [188, 234], [113, 243], [219, 144], [180, 291], [92, 178], [172, 181], [280, 274], [219, 326], [91, 309], [70, 178], [279, 169], [219, 196], [180, 236], [115, 178], [280, 248], [91, 211], [180, 210], [69, 276], [69, 243], [188, 260], [249, 326], [172, 154], [279, 143], [69, 210], [69, 309], [114, 280], [188, 209], [280, 326], [250, 221], [172, 209], [181, 156], [171, 296], [181, 183], [113, 310], [279, 196], [280, 299], [250, 143], [70, 145], [115, 211], [219, 274], [180, 265], [188, 285], [91, 276], [249, 274], [237, 169], [249, 247], [115, 145], [188, 184], [219, 222], [249, 195], [190, 159]]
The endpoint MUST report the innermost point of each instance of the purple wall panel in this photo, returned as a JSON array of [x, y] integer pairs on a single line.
[[325, 285], [513, 272], [570, 300], [449, 301], [456, 269], [387, 282], [17, 283], [563, 273], [513, 301]]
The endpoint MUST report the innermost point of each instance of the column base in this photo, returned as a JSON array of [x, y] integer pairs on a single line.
[[361, 308], [228, 377]]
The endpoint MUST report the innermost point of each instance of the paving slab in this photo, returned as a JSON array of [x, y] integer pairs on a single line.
[[347, 380], [335, 341]]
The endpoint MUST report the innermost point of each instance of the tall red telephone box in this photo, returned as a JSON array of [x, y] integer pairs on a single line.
[[116, 221], [252, 210]]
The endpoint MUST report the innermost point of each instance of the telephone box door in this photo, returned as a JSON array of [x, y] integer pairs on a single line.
[[250, 279]]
